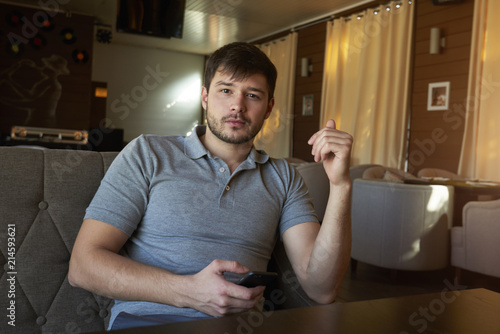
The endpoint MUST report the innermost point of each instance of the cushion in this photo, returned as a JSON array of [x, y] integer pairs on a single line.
[[390, 176]]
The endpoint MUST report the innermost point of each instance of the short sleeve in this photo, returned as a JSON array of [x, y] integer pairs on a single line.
[[298, 206], [122, 197]]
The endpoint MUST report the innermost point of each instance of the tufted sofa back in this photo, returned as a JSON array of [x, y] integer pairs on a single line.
[[43, 197]]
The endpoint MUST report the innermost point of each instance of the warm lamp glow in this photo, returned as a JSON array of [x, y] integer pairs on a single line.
[[101, 92], [434, 47]]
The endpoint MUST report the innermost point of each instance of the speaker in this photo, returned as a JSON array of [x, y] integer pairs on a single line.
[[106, 140]]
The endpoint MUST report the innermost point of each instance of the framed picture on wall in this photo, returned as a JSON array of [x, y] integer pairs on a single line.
[[438, 96], [307, 105]]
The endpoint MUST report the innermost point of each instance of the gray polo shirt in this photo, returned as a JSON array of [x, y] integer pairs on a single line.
[[182, 208]]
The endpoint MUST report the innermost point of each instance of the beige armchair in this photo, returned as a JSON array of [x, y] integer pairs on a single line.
[[386, 173], [475, 245], [401, 226], [437, 172], [357, 171]]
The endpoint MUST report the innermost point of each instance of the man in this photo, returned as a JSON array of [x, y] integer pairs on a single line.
[[161, 251]]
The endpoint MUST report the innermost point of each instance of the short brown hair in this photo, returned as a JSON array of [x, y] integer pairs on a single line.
[[243, 60]]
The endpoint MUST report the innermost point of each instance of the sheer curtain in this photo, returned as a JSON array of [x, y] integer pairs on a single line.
[[366, 81], [480, 156], [276, 135]]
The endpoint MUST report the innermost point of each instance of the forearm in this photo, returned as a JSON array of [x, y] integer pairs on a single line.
[[330, 255], [112, 275], [96, 266]]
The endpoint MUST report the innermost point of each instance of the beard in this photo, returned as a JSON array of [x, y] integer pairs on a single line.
[[217, 128]]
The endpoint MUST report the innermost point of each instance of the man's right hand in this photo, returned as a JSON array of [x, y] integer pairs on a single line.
[[209, 292]]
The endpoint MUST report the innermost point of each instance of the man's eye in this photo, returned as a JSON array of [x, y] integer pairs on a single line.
[[225, 90], [254, 96]]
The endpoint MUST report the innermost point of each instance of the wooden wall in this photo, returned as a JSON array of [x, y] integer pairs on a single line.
[[43, 85], [311, 45], [436, 136]]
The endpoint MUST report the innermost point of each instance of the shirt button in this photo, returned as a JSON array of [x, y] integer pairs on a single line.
[[221, 169], [41, 320], [103, 313], [227, 188]]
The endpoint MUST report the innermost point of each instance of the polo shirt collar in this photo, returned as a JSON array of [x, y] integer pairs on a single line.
[[194, 149]]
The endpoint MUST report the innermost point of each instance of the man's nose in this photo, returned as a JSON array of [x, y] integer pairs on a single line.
[[238, 103]]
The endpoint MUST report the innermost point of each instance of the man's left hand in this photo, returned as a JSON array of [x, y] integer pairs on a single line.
[[333, 147]]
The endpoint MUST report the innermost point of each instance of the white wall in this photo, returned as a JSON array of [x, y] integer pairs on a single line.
[[149, 90]]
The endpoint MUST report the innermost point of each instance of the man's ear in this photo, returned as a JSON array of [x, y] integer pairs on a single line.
[[270, 106], [204, 97]]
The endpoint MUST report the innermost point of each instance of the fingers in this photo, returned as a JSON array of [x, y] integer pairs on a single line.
[[220, 297], [332, 146], [221, 266], [330, 142], [244, 293], [331, 124], [243, 299]]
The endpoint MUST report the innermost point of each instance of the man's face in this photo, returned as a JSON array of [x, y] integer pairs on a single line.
[[236, 110]]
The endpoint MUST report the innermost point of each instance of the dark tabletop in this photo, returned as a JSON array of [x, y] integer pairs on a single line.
[[450, 311]]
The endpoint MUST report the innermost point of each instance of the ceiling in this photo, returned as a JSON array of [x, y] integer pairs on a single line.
[[211, 24]]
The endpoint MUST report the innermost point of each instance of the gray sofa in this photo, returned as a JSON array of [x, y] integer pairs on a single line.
[[43, 197]]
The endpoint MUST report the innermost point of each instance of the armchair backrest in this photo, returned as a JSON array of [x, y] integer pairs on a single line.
[[401, 226], [357, 171], [386, 173], [437, 172]]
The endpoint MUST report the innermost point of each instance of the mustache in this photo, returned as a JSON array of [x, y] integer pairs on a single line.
[[235, 116]]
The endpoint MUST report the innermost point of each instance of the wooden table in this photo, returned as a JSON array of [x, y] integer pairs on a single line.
[[450, 311], [465, 191]]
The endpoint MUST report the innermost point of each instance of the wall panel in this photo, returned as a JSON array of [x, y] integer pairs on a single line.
[[43, 85], [311, 45], [452, 64]]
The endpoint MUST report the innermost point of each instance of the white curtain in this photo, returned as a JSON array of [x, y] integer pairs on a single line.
[[276, 135], [480, 156], [366, 81]]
